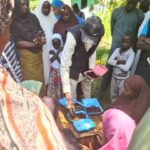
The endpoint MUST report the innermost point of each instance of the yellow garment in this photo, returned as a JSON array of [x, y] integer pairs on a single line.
[[32, 66]]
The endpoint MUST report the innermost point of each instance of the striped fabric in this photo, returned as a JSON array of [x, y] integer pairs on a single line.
[[10, 60]]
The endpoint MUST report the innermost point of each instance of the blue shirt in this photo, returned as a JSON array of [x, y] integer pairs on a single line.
[[145, 29], [80, 20]]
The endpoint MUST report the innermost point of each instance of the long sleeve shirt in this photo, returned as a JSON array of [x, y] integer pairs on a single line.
[[123, 21], [121, 71], [66, 61]]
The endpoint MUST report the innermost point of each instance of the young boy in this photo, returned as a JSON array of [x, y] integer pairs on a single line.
[[121, 60]]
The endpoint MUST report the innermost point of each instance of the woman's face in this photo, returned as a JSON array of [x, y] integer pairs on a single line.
[[65, 14], [128, 91], [56, 10], [46, 8], [25, 7]]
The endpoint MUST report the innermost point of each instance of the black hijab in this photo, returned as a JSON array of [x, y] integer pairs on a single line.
[[24, 28]]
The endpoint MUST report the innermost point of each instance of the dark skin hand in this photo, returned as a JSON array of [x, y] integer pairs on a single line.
[[70, 105], [143, 43], [55, 55], [37, 43], [119, 62]]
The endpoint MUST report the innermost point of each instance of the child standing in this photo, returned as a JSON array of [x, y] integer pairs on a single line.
[[54, 86], [121, 60]]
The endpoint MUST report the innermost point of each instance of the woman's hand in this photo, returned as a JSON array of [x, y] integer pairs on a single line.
[[40, 39]]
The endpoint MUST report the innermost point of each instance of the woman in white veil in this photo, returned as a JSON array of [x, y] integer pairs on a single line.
[[47, 21]]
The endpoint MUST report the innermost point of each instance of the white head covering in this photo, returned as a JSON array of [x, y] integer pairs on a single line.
[[47, 24], [56, 64], [58, 36]]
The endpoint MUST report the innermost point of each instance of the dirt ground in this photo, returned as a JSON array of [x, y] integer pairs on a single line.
[[104, 100]]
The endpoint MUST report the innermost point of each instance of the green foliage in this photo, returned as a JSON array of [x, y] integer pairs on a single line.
[[33, 4], [105, 15]]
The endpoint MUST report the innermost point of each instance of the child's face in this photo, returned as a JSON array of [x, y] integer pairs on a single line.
[[125, 42], [56, 43]]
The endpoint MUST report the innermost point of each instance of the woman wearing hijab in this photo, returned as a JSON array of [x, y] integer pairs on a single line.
[[56, 6], [25, 122], [66, 21], [29, 39], [47, 20], [121, 119]]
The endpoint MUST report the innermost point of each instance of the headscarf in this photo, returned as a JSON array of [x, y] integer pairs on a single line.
[[46, 22], [57, 4], [135, 107], [56, 64], [58, 36], [24, 28], [61, 26]]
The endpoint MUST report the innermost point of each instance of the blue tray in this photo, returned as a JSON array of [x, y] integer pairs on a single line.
[[92, 103], [82, 125]]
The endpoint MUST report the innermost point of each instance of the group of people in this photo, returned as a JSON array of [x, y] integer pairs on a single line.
[[56, 45], [129, 55]]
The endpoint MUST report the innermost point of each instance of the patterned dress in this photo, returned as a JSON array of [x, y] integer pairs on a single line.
[[55, 86], [25, 122]]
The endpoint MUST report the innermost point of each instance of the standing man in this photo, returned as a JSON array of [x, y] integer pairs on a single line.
[[124, 19], [78, 56]]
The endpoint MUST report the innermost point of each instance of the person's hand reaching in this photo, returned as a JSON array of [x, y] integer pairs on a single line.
[[70, 104]]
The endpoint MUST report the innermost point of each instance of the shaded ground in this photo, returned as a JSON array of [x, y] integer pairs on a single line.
[[102, 55]]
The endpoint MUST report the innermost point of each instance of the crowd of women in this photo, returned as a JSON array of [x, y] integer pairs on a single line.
[[31, 47]]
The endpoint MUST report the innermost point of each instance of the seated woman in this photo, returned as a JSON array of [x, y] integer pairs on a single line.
[[120, 120], [29, 39], [25, 122]]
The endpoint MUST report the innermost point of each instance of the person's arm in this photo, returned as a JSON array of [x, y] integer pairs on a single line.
[[29, 45], [112, 59], [126, 67], [92, 61], [66, 61], [143, 42], [25, 44]]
